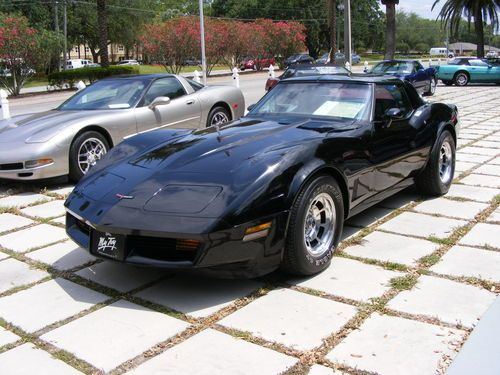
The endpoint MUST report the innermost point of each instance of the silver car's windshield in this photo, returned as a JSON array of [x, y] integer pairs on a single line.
[[349, 101], [107, 94]]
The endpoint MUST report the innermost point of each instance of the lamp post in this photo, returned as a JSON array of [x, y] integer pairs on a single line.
[[347, 31], [202, 39]]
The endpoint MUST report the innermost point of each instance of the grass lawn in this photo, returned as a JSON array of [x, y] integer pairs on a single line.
[[36, 81]]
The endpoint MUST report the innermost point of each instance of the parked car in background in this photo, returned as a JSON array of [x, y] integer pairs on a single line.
[[73, 137], [192, 62], [441, 51], [257, 63], [423, 79], [491, 54], [339, 58], [464, 70], [78, 63], [128, 62], [299, 58], [270, 190], [307, 70]]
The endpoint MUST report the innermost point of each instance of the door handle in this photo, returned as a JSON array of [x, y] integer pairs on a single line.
[[189, 102]]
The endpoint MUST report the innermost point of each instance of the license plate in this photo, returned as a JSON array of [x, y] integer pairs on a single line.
[[108, 245]]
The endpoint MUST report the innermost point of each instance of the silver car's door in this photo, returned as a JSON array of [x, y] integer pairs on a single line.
[[183, 111]]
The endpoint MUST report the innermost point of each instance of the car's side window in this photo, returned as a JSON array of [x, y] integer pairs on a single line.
[[418, 66], [169, 87], [390, 96]]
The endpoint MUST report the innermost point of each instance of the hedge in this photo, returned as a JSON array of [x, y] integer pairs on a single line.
[[91, 74]]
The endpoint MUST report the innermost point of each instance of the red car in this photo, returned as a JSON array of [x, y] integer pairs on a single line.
[[257, 63]]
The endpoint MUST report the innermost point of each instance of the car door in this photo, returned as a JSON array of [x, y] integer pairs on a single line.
[[391, 144], [484, 72], [419, 79], [183, 111]]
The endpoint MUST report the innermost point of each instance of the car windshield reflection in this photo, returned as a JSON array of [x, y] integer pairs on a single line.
[[332, 100], [107, 94]]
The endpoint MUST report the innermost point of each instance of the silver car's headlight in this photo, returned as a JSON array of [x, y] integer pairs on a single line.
[[37, 163]]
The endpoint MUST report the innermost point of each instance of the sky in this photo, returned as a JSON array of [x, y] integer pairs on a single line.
[[421, 7]]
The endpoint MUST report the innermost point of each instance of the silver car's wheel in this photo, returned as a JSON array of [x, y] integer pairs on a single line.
[[219, 119], [446, 162], [85, 151], [319, 225], [218, 116], [89, 153]]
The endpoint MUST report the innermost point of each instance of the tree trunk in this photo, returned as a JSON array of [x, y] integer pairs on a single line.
[[390, 36], [94, 53], [478, 26], [102, 25], [332, 22]]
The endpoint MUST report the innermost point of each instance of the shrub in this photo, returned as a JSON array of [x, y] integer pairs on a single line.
[[88, 75]]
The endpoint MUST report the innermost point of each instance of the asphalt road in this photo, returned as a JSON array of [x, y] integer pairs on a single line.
[[252, 86]]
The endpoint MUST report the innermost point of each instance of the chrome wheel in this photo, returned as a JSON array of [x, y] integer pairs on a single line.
[[445, 162], [89, 153], [219, 118], [462, 79], [319, 225]]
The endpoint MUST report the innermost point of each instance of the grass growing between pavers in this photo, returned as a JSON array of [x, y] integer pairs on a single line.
[[306, 358]]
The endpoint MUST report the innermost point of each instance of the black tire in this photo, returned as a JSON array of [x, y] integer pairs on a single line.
[[432, 87], [76, 171], [448, 83], [434, 180], [461, 79], [297, 259], [223, 114]]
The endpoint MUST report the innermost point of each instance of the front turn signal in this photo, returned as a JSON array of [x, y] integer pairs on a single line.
[[257, 231]]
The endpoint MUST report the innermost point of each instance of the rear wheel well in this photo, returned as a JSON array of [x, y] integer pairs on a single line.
[[332, 172], [452, 130], [225, 106]]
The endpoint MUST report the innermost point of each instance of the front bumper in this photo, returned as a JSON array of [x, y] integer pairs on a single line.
[[14, 156], [222, 252]]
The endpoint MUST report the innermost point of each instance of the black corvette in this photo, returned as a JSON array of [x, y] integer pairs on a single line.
[[271, 189]]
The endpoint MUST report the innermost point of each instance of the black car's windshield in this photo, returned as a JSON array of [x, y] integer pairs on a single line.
[[313, 70], [393, 67], [107, 94], [338, 100]]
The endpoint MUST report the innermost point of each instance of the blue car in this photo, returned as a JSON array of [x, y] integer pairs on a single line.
[[424, 80]]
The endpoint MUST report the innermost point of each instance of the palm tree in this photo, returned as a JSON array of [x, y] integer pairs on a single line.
[[390, 36], [102, 26], [453, 10], [332, 23]]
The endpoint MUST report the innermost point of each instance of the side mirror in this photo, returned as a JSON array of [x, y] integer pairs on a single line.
[[250, 107], [160, 100], [394, 113]]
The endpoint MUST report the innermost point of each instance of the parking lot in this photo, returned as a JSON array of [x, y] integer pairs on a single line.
[[408, 284]]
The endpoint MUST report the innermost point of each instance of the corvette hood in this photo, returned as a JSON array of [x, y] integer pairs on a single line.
[[40, 127], [203, 172]]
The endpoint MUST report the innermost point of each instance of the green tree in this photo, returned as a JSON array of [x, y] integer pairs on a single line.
[[480, 10], [23, 49], [390, 35]]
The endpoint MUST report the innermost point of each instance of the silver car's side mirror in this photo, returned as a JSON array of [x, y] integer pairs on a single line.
[[160, 100]]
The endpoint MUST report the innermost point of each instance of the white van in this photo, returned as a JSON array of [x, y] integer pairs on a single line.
[[77, 63], [441, 51]]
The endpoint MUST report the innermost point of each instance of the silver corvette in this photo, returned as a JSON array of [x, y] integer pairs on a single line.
[[70, 139]]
